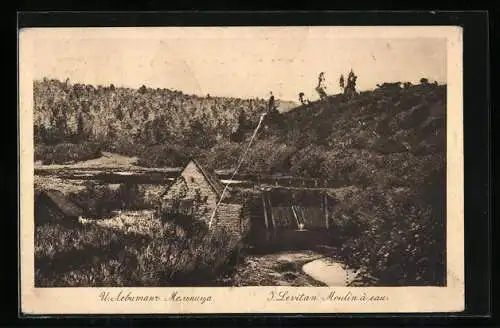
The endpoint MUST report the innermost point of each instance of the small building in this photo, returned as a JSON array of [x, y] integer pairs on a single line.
[[266, 215], [196, 192], [54, 206]]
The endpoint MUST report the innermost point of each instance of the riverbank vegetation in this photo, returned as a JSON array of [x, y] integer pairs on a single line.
[[397, 236], [89, 255]]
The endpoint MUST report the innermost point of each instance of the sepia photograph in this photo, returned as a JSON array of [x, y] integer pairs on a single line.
[[299, 167]]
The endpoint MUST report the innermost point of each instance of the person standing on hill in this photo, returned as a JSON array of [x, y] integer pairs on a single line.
[[350, 89], [301, 98], [271, 104], [321, 88]]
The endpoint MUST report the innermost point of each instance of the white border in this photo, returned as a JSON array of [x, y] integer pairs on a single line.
[[250, 299]]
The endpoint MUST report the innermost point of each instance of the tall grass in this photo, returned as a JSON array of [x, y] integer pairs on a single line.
[[91, 256], [100, 200]]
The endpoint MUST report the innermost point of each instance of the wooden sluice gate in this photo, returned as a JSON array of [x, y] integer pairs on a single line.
[[290, 217]]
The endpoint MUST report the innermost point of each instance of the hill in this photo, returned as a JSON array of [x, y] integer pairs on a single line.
[[286, 105], [130, 121], [392, 144], [388, 143], [385, 137]]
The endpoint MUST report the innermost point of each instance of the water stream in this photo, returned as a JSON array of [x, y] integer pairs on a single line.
[[329, 272]]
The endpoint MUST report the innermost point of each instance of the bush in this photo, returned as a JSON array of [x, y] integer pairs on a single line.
[[395, 235], [177, 259], [162, 156], [66, 152], [223, 155], [268, 157], [307, 162], [126, 147], [99, 200]]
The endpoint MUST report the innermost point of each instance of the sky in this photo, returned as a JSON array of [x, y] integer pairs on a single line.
[[240, 62]]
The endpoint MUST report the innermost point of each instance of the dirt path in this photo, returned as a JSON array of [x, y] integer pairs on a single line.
[[277, 269]]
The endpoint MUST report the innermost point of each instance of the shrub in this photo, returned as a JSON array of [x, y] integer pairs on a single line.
[[307, 162], [268, 157], [180, 259], [66, 152], [396, 235], [162, 156], [223, 155], [99, 200]]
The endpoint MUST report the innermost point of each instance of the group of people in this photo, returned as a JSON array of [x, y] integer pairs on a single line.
[[348, 90]]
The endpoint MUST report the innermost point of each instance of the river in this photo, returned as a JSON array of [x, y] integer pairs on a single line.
[[288, 268]]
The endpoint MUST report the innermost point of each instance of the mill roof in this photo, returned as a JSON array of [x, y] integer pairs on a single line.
[[211, 177], [63, 203]]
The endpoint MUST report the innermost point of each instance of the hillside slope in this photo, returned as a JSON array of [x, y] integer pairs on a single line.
[[384, 137], [391, 143], [389, 146]]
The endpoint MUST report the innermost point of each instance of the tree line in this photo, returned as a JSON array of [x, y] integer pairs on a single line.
[[118, 118]]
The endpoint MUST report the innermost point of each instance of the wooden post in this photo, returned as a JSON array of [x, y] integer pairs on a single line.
[[272, 216], [325, 204], [265, 209]]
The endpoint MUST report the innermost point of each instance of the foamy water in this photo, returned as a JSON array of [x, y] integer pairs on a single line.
[[329, 272]]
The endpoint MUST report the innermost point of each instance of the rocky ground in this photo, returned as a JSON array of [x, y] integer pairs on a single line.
[[277, 269]]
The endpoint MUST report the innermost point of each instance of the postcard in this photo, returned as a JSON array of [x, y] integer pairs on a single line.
[[285, 169]]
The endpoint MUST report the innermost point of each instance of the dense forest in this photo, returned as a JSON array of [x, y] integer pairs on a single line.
[[132, 122]]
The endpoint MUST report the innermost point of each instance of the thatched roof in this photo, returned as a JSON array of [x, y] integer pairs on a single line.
[[66, 206], [211, 177]]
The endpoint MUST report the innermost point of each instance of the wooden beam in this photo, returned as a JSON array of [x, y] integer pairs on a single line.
[[325, 204], [296, 217], [272, 216], [265, 210]]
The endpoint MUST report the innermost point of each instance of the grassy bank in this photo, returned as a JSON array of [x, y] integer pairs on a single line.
[[93, 256]]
